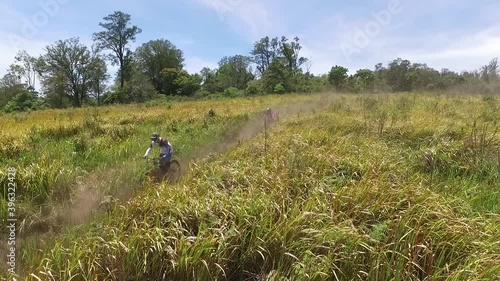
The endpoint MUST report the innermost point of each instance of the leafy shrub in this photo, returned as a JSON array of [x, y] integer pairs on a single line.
[[279, 89], [25, 101], [233, 92], [157, 100], [253, 88]]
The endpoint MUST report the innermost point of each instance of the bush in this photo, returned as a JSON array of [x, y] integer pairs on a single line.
[[201, 93], [279, 89], [11, 106], [110, 97], [157, 100], [254, 88], [25, 102], [233, 92]]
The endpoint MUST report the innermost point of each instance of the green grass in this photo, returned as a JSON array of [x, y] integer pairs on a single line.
[[59, 147], [386, 187]]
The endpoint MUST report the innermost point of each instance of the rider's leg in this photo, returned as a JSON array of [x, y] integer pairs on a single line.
[[163, 161]]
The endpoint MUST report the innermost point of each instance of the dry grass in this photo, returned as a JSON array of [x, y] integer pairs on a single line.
[[385, 187]]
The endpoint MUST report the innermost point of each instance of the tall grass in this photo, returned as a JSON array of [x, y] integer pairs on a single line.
[[63, 157], [334, 196]]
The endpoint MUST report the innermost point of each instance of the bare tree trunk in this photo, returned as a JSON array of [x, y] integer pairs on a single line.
[[122, 79], [98, 92]]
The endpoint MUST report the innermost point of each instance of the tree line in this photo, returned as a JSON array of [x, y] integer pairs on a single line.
[[71, 74]]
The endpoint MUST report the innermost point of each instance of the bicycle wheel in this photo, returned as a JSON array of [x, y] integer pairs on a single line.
[[174, 171], [157, 175]]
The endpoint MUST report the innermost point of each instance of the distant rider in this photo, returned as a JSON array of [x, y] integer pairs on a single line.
[[166, 149], [270, 115]]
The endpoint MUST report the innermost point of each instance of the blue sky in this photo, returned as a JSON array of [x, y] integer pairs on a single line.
[[459, 35]]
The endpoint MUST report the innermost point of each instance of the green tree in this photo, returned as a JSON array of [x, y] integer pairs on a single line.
[[180, 82], [234, 72], [10, 86], [209, 82], [188, 84], [420, 77], [264, 52], [396, 75], [116, 36], [489, 72], [366, 79], [272, 56], [18, 96], [154, 56], [254, 87], [70, 61], [290, 52], [98, 76], [278, 73], [25, 67], [169, 77], [447, 79], [138, 89], [129, 69], [352, 84], [25, 100], [56, 90], [338, 76]]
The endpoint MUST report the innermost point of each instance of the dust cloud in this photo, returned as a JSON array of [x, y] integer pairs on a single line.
[[256, 123], [89, 191]]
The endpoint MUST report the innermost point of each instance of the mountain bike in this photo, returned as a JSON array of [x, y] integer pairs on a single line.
[[170, 172]]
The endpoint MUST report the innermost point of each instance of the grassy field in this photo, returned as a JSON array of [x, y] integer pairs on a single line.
[[342, 187]]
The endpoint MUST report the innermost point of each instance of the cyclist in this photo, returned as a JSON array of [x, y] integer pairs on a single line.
[[166, 149], [270, 115]]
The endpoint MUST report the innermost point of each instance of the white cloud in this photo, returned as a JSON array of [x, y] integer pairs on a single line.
[[29, 32], [469, 51], [458, 50], [461, 47], [251, 19], [324, 41], [34, 47], [196, 64], [7, 15], [14, 44]]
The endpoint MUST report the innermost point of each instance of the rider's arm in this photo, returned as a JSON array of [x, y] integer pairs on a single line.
[[151, 147]]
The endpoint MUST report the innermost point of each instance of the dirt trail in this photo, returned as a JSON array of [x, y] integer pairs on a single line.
[[90, 189], [90, 195], [256, 124]]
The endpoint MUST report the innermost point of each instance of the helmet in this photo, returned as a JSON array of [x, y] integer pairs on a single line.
[[154, 136]]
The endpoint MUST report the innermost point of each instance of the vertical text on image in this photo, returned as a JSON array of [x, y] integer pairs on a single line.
[[11, 219]]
